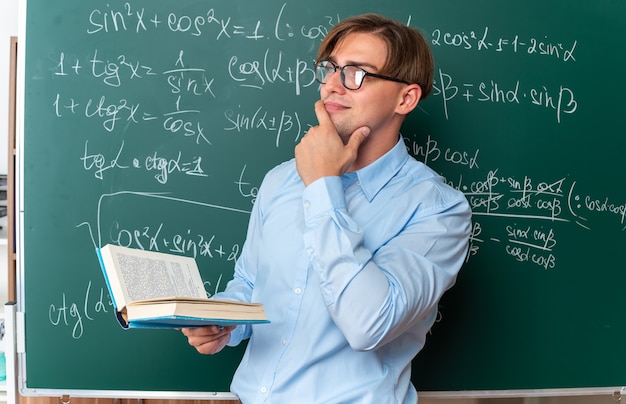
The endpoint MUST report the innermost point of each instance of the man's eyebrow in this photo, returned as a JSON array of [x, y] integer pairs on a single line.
[[354, 63]]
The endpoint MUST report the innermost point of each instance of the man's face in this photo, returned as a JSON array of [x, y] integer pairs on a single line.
[[373, 104]]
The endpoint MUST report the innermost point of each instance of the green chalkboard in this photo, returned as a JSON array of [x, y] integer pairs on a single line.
[[152, 123]]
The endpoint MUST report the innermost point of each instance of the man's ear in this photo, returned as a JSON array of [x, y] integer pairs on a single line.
[[411, 96]]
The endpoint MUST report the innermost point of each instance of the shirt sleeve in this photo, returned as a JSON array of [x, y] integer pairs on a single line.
[[240, 288], [375, 296]]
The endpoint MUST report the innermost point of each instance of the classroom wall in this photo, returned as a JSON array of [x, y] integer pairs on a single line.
[[8, 28]]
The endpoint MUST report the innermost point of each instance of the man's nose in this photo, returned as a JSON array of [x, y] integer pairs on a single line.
[[333, 82]]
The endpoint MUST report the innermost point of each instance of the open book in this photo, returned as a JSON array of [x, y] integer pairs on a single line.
[[159, 290]]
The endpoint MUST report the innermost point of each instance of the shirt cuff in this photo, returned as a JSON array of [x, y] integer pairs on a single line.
[[237, 335]]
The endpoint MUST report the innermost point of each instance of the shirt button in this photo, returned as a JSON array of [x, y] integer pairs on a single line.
[[263, 389], [297, 291], [307, 204], [309, 250], [284, 341]]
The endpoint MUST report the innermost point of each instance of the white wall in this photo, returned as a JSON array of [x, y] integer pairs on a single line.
[[8, 28]]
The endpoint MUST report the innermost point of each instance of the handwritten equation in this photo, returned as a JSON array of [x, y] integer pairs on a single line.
[[559, 100], [527, 208], [482, 40], [210, 22]]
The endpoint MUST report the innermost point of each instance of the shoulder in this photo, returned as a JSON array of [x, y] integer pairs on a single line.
[[280, 174], [281, 179], [429, 187]]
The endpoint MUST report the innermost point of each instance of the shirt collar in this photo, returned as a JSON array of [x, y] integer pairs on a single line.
[[373, 177]]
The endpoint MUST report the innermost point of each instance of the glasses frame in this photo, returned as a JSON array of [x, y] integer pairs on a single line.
[[322, 64]]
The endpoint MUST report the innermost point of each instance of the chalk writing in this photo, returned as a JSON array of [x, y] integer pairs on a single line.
[[201, 241], [64, 313], [482, 40], [559, 100], [430, 151], [110, 71], [188, 80], [525, 200], [256, 73], [246, 189], [191, 242], [154, 162], [262, 121], [109, 20], [211, 23]]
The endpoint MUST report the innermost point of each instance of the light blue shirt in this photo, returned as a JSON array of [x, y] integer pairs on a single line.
[[350, 270]]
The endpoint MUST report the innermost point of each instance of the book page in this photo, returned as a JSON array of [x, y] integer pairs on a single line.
[[135, 274], [155, 277]]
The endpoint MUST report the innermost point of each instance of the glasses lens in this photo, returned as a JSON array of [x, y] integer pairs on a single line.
[[323, 69], [353, 77]]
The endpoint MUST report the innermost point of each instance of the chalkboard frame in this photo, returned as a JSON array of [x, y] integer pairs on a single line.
[[22, 374]]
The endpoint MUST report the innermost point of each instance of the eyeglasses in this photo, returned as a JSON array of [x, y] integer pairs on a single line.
[[351, 76]]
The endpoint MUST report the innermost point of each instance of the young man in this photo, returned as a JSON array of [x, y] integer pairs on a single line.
[[351, 244]]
